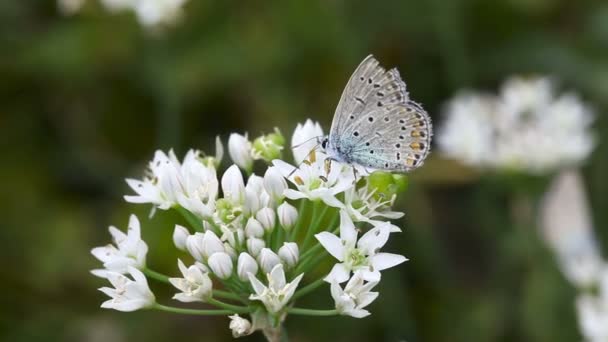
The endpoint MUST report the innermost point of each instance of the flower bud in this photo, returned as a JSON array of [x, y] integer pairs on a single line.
[[240, 326], [289, 254], [275, 184], [211, 244], [194, 245], [268, 147], [254, 246], [268, 259], [221, 265], [180, 235], [266, 218], [230, 250], [233, 185], [239, 149], [386, 185], [254, 228], [288, 215], [246, 264]]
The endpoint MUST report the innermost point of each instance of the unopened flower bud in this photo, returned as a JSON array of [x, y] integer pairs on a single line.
[[239, 149], [288, 215], [254, 246], [254, 228], [220, 264], [275, 184], [211, 244], [268, 147], [180, 235], [386, 185], [268, 259], [240, 326], [289, 254], [194, 245], [266, 217], [246, 264]]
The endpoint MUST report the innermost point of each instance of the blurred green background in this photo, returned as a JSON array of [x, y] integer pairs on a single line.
[[86, 99]]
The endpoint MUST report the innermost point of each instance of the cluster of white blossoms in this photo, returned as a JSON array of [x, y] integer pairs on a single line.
[[527, 128], [149, 13], [566, 226], [256, 243]]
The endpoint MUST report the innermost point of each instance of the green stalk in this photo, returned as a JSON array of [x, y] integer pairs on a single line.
[[309, 288], [227, 295], [156, 275], [312, 312], [234, 308], [192, 220], [303, 208], [315, 225], [192, 311]]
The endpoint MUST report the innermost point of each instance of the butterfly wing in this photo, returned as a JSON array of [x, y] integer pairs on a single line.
[[371, 89], [397, 140]]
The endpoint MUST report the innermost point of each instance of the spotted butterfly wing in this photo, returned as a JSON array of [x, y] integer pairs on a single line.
[[376, 125]]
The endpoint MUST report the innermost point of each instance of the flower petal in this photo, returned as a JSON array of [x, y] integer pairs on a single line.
[[382, 261], [332, 244], [338, 274], [348, 233]]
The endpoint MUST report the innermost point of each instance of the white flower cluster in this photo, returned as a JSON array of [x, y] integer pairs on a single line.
[[247, 241], [150, 13], [567, 228], [527, 128]]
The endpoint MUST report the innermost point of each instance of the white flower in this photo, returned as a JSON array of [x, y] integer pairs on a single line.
[[288, 215], [361, 206], [268, 259], [196, 286], [193, 185], [289, 254], [592, 310], [129, 250], [565, 219], [526, 128], [239, 148], [245, 265], [128, 295], [255, 246], [152, 13], [278, 293], [267, 218], [240, 326], [221, 265], [202, 245], [254, 228], [256, 196], [314, 183], [351, 300], [69, 7], [358, 256], [180, 236], [304, 139]]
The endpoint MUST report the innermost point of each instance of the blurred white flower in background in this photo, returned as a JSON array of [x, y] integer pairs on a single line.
[[565, 221], [528, 127], [149, 13]]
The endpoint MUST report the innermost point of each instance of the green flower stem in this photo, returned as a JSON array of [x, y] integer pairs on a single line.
[[192, 311], [318, 218], [156, 275], [192, 220], [312, 312], [234, 308], [303, 209], [305, 264], [226, 295], [309, 288]]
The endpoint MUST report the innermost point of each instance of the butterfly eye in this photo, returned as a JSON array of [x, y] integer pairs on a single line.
[[324, 143]]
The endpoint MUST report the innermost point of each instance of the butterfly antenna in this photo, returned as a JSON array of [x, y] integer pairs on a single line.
[[307, 140], [314, 149]]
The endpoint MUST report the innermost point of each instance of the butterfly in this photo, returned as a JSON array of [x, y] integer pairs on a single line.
[[376, 125]]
